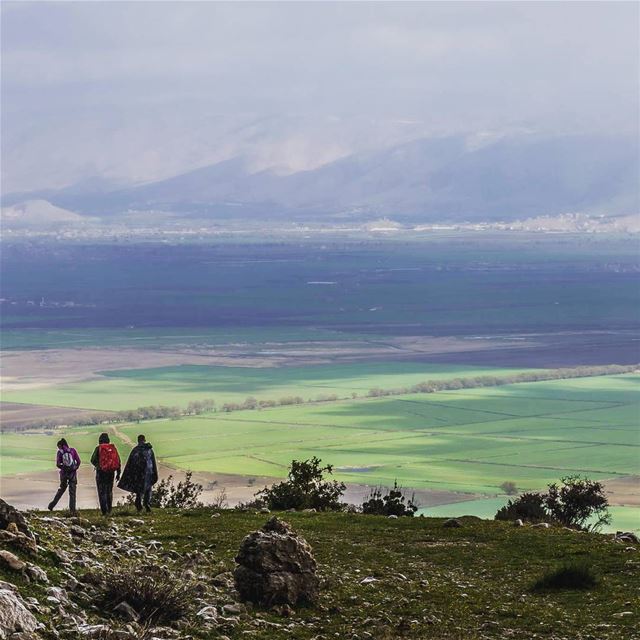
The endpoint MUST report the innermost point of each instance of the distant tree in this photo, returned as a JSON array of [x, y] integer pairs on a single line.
[[509, 487]]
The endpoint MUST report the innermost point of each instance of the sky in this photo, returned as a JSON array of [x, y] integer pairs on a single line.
[[135, 91]]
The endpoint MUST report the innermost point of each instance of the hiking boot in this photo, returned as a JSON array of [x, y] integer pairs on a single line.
[[148, 509], [50, 506]]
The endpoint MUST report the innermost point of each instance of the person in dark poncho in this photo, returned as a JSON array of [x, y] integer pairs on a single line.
[[106, 462], [140, 473]]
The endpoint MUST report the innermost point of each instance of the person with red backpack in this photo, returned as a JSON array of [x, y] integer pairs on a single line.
[[106, 461], [67, 461]]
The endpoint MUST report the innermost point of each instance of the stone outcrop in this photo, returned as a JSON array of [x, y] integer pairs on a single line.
[[276, 567], [9, 514], [14, 615]]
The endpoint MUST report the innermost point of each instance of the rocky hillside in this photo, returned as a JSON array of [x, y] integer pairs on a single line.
[[173, 574]]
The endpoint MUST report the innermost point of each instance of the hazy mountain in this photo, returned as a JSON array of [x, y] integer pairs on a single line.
[[38, 214], [445, 178]]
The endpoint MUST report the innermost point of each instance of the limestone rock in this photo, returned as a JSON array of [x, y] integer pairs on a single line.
[[452, 523], [276, 566], [9, 515], [36, 573], [11, 561], [126, 611], [18, 540], [14, 615]]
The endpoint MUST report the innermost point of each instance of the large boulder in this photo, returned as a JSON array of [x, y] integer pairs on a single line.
[[14, 615], [275, 566], [9, 514]]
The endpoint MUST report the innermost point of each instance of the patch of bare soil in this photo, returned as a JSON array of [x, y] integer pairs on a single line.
[[35, 490], [15, 415], [32, 369], [624, 492]]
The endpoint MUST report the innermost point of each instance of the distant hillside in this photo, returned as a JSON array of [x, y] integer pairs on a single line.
[[37, 214], [430, 179]]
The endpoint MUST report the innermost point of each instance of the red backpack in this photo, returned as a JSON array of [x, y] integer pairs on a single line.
[[108, 458]]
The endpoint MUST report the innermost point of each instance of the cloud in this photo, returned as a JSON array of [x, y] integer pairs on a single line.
[[449, 66]]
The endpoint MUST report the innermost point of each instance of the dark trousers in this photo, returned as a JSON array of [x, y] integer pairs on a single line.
[[144, 497], [66, 482], [104, 483]]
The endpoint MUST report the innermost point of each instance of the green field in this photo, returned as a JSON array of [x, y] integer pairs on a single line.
[[132, 388], [467, 441]]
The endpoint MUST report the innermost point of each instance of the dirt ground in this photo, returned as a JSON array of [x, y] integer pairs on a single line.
[[624, 492], [15, 415], [32, 369], [35, 490]]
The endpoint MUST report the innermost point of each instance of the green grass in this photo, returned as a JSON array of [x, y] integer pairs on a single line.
[[468, 441], [132, 388], [430, 582]]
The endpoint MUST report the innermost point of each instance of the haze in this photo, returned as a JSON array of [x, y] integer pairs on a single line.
[[131, 92]]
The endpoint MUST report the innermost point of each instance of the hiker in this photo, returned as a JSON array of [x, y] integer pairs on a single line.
[[140, 473], [68, 461], [106, 462]]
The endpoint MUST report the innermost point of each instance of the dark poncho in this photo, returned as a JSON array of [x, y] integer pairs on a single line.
[[140, 471]]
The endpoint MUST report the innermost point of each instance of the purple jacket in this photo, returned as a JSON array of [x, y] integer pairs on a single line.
[[66, 472]]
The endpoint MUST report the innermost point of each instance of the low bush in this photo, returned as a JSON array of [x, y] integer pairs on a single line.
[[576, 501], [156, 594], [166, 494], [392, 503], [305, 488], [573, 503], [569, 576], [527, 507]]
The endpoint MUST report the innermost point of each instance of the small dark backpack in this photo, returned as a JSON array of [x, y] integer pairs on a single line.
[[108, 459]]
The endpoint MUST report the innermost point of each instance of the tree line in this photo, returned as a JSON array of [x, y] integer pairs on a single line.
[[199, 407]]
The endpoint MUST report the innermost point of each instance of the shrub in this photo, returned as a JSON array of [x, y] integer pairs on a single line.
[[573, 503], [569, 576], [305, 488], [392, 503], [528, 506], [154, 592], [166, 494], [577, 501], [509, 488]]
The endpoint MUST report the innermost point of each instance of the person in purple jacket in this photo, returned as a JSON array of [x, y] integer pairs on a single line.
[[67, 461]]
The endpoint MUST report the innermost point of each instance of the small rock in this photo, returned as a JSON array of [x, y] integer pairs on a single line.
[[11, 561], [541, 525], [234, 609], [126, 611], [368, 580], [392, 517], [452, 523], [36, 573], [215, 515], [264, 510], [518, 523], [77, 531], [623, 614]]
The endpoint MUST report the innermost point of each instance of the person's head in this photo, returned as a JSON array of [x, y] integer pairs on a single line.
[[62, 443], [141, 439], [104, 438]]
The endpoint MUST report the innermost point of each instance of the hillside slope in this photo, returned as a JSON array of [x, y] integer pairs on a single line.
[[429, 179], [380, 578]]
